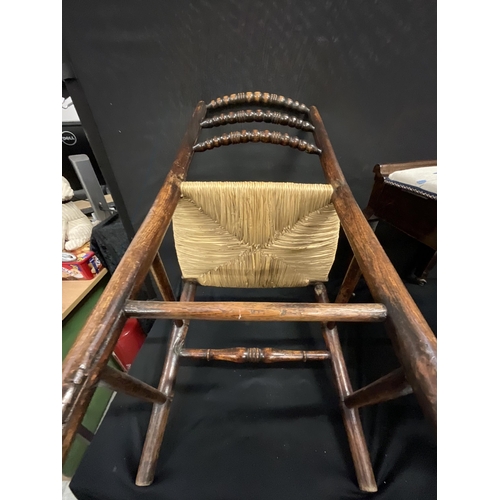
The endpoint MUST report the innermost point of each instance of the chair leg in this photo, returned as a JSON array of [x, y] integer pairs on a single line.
[[351, 279], [422, 271], [159, 415], [353, 274], [352, 421]]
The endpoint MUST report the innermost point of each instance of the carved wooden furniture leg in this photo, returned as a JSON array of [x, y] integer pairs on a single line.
[[352, 422], [430, 266], [422, 271], [159, 416]]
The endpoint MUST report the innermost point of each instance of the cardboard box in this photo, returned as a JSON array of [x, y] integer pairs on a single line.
[[81, 264]]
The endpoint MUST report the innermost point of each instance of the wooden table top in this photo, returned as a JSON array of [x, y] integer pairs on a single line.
[[74, 291]]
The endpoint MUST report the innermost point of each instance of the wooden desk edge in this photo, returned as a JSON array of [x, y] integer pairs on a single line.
[[90, 284]]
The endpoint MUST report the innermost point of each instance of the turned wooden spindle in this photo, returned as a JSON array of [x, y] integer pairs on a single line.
[[257, 98], [257, 116], [254, 355], [244, 136]]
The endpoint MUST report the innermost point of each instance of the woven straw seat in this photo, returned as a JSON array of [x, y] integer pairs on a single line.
[[255, 234]]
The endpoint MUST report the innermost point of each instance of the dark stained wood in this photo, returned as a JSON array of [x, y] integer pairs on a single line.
[[257, 98], [243, 136], [423, 270], [254, 355], [257, 116], [161, 278], [389, 168], [390, 386], [414, 342], [349, 283], [159, 415], [413, 214], [256, 311], [96, 341], [122, 382], [352, 421]]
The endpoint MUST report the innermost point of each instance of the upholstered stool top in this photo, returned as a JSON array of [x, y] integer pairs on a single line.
[[422, 180], [255, 234]]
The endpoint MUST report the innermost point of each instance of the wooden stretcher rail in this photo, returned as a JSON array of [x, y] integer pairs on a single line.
[[119, 381], [256, 311], [254, 355], [390, 386]]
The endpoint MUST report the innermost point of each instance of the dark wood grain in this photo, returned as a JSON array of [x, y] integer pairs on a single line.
[[414, 342], [256, 311], [122, 382], [244, 136], [352, 421], [256, 116], [159, 415], [349, 283], [390, 386], [98, 337], [257, 98], [254, 355], [161, 278]]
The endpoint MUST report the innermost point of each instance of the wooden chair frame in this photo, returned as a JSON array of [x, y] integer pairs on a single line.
[[414, 342]]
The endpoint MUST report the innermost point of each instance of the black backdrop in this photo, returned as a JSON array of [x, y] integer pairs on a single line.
[[370, 68]]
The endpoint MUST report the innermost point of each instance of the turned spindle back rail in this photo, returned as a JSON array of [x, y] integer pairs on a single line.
[[247, 116], [413, 341]]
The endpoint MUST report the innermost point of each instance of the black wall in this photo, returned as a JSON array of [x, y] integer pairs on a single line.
[[370, 68]]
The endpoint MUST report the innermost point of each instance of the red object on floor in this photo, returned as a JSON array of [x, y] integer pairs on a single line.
[[129, 343]]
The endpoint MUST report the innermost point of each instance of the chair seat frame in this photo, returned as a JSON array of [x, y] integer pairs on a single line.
[[413, 341]]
